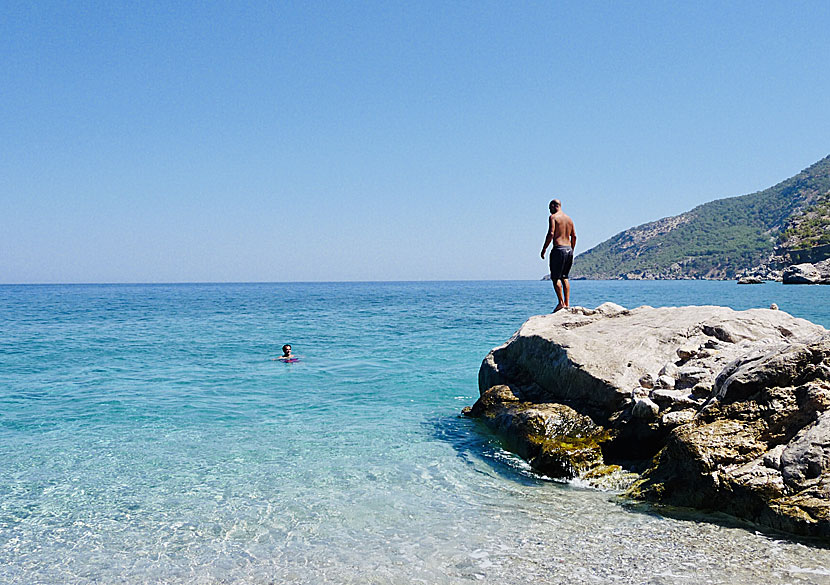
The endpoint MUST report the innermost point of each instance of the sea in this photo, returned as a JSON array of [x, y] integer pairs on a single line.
[[147, 435]]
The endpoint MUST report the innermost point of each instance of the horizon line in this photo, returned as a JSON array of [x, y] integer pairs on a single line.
[[186, 282]]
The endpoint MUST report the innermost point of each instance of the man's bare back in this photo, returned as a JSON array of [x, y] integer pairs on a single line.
[[562, 229]]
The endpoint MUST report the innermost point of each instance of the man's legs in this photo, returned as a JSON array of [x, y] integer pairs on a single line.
[[556, 263], [567, 262], [557, 286]]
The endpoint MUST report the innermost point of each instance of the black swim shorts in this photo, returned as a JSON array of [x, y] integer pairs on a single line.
[[561, 258]]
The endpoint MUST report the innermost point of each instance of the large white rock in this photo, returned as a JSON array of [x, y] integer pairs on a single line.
[[725, 410], [598, 357], [807, 273]]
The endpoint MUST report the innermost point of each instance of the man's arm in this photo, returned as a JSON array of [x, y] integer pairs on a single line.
[[573, 239], [549, 235]]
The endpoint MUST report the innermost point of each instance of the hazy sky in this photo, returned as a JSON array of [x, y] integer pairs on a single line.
[[238, 141]]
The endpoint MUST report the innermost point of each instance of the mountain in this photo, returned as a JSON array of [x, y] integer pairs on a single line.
[[723, 238]]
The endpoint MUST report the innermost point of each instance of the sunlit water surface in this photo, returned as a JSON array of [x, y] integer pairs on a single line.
[[147, 437]]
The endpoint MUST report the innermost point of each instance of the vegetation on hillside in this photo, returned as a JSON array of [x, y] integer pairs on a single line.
[[717, 239], [810, 227]]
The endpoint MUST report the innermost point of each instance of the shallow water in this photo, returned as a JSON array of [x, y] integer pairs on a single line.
[[147, 437]]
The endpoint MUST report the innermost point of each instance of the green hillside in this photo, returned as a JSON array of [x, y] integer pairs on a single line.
[[810, 227], [720, 238]]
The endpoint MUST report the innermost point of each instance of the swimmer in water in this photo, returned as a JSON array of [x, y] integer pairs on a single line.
[[286, 356]]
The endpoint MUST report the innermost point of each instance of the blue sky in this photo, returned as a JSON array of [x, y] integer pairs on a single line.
[[180, 142]]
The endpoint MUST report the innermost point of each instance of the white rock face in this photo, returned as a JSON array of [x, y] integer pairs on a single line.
[[807, 273], [597, 357]]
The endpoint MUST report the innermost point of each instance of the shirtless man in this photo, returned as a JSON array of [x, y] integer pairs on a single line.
[[562, 233]]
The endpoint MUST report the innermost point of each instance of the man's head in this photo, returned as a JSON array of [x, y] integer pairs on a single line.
[[554, 205], [286, 349]]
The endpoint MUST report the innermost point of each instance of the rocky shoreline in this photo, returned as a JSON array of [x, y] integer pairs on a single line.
[[702, 407], [806, 273]]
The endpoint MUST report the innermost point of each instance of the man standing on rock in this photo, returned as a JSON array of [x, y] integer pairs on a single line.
[[562, 233]]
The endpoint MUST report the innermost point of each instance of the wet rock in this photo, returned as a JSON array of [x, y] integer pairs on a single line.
[[750, 280], [738, 427], [556, 440], [495, 395]]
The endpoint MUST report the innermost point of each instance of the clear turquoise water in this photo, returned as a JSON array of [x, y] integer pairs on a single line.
[[147, 437]]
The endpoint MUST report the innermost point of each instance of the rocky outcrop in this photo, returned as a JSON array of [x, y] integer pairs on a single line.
[[767, 271], [712, 408], [807, 273], [750, 280]]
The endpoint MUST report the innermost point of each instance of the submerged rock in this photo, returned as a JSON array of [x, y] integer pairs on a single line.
[[718, 409], [555, 439]]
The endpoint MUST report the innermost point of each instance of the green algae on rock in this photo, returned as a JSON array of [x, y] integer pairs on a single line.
[[555, 439]]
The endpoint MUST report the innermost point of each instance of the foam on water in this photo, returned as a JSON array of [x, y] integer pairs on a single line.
[[146, 437]]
